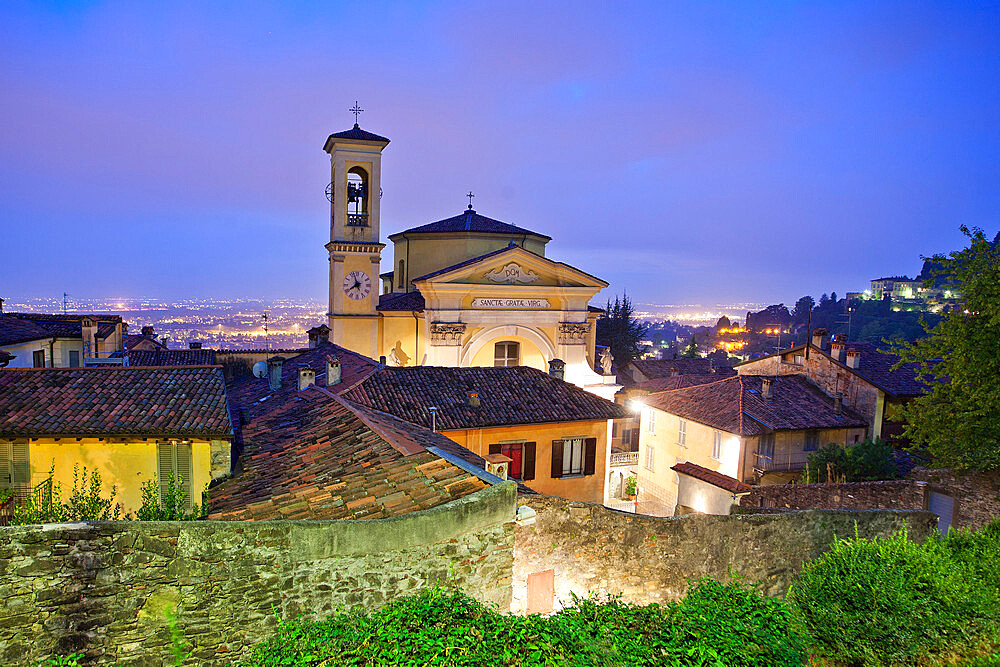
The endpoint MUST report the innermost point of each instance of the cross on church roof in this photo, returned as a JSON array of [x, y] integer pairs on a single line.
[[470, 196], [356, 110]]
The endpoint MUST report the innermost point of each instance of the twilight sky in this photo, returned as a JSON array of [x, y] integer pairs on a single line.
[[687, 152]]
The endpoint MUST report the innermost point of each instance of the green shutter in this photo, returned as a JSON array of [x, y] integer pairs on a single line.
[[21, 468], [164, 465], [6, 473], [185, 470]]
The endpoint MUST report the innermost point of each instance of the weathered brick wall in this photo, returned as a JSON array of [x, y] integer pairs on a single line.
[[650, 559], [977, 495], [105, 588]]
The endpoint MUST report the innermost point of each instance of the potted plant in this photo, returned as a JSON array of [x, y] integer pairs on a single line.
[[630, 484]]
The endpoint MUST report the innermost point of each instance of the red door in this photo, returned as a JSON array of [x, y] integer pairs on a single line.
[[514, 452]]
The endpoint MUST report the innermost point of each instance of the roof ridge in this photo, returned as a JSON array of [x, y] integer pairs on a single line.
[[374, 426], [740, 377], [694, 386]]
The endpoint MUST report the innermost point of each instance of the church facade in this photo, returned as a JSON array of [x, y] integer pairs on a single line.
[[464, 291]]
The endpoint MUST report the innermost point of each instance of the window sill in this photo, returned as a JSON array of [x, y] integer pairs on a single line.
[[573, 476]]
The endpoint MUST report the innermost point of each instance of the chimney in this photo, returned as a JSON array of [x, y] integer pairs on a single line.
[[474, 399], [381, 360], [837, 350], [838, 403], [274, 366], [557, 368], [332, 371], [853, 357], [307, 376], [497, 464], [319, 335], [819, 338], [147, 332], [765, 388], [194, 345]]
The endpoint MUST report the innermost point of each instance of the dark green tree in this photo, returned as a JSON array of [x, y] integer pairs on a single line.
[[800, 314], [691, 351], [958, 420], [619, 330]]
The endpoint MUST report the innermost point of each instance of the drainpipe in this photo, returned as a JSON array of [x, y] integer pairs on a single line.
[[52, 353], [416, 338]]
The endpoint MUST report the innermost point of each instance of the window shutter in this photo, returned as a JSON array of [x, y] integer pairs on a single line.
[[635, 438], [20, 467], [557, 456], [6, 473], [185, 470], [589, 456], [495, 449], [164, 464], [528, 462]]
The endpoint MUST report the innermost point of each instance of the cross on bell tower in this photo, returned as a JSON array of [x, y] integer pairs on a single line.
[[470, 196], [357, 111]]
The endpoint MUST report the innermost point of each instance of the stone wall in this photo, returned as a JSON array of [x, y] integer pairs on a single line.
[[650, 559], [977, 495], [105, 589]]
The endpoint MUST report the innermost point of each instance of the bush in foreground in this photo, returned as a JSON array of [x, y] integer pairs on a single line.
[[892, 601], [716, 625]]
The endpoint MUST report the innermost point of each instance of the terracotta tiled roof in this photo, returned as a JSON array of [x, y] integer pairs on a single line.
[[255, 394], [507, 396], [131, 340], [321, 457], [658, 368], [735, 405], [151, 402], [470, 221], [412, 301], [164, 357], [681, 381], [357, 134], [875, 367], [15, 330], [60, 326], [712, 477]]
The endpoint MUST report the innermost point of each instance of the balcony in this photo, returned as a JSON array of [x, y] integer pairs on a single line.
[[357, 219], [786, 461], [624, 459]]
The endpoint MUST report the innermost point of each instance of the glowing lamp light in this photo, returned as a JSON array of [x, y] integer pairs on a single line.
[[636, 404]]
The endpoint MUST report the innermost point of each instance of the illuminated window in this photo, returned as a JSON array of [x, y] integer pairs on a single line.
[[507, 353], [682, 434], [572, 456], [650, 453], [716, 445]]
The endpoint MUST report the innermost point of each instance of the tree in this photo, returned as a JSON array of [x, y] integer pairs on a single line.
[[957, 420], [619, 330], [800, 314], [723, 323], [691, 351]]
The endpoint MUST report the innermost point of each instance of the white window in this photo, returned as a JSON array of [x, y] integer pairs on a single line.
[[652, 420], [682, 433], [175, 458], [572, 456], [507, 353], [716, 445], [650, 454]]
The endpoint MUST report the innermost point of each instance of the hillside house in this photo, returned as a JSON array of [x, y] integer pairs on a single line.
[[35, 340]]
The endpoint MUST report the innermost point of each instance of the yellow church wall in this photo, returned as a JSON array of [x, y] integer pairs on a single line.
[[530, 354], [127, 465], [421, 256], [404, 333], [586, 488], [359, 334], [361, 263]]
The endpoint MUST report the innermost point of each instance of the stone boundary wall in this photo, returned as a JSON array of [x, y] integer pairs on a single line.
[[977, 495], [105, 589], [650, 559]]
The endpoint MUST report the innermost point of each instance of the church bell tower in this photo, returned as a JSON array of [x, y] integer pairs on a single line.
[[354, 248]]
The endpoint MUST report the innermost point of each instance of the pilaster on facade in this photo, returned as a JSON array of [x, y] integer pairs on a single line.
[[447, 333], [573, 333]]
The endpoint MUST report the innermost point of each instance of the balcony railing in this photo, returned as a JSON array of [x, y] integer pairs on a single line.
[[357, 219], [786, 461], [624, 459]]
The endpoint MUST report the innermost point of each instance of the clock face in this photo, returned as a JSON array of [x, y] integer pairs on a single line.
[[357, 285]]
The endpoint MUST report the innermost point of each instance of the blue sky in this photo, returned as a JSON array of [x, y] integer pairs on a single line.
[[686, 152]]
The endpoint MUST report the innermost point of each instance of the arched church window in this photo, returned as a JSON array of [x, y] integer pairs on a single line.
[[507, 353], [357, 197]]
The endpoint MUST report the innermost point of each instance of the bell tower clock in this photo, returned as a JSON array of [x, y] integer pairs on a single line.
[[354, 248]]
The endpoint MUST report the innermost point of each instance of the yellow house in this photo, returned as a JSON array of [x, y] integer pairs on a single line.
[[555, 433], [753, 429], [464, 291], [132, 425]]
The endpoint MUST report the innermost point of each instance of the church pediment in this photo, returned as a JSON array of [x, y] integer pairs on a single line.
[[516, 267]]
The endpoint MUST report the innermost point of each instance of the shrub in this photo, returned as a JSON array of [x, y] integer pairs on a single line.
[[717, 625], [85, 503], [884, 601], [865, 461], [172, 506]]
